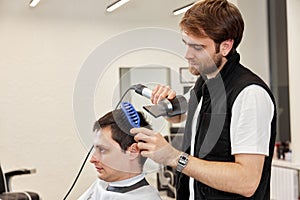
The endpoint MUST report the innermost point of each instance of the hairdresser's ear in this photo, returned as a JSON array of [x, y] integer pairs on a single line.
[[134, 151], [226, 47]]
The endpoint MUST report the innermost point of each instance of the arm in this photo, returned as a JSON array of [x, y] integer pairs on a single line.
[[241, 177]]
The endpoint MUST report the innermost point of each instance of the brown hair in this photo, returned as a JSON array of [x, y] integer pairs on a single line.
[[119, 134], [219, 20]]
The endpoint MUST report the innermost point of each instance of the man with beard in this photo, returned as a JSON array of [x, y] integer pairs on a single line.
[[231, 122]]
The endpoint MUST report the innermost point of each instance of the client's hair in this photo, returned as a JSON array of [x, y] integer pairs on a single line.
[[123, 138]]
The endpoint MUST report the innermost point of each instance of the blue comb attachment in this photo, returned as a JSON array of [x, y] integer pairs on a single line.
[[131, 114]]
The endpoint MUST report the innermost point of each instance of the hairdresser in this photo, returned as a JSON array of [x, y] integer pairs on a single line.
[[231, 121]]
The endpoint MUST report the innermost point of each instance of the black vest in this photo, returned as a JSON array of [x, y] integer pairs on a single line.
[[212, 141]]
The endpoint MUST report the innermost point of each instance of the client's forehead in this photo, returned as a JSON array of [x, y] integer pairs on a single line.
[[104, 137]]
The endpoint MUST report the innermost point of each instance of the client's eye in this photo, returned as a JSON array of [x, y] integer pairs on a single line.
[[101, 149]]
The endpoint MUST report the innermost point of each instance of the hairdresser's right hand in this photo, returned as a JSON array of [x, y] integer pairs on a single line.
[[161, 92]]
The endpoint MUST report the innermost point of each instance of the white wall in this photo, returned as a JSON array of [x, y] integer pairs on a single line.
[[255, 44], [293, 15], [42, 51]]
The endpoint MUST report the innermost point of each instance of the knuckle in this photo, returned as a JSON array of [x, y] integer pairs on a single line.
[[166, 88], [156, 133], [156, 96]]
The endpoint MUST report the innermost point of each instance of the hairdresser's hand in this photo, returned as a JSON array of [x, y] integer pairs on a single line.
[[154, 146], [161, 92]]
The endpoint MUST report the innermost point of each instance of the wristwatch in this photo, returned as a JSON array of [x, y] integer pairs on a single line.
[[182, 162]]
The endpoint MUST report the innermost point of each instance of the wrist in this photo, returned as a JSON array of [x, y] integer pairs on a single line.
[[175, 159]]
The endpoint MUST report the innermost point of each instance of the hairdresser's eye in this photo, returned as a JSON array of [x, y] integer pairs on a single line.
[[198, 47]]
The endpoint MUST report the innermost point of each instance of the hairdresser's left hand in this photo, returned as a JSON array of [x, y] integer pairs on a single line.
[[154, 146]]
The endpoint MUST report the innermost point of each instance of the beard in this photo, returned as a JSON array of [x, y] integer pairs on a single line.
[[211, 65]]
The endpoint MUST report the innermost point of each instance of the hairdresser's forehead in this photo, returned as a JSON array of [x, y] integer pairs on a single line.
[[200, 32], [188, 40], [193, 40], [103, 137]]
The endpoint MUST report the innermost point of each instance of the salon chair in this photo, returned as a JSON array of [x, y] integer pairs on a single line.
[[5, 187]]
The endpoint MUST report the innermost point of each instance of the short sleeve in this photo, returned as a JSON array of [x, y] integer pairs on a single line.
[[250, 128]]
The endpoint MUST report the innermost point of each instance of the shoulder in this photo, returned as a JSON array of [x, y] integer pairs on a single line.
[[247, 84], [93, 190], [145, 193], [254, 97], [254, 92]]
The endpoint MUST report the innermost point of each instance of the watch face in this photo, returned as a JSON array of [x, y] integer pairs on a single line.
[[182, 162]]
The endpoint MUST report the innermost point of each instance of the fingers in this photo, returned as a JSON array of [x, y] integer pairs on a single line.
[[146, 138], [161, 92], [154, 146], [145, 148], [142, 130]]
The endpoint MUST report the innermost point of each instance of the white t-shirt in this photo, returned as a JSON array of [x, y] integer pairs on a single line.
[[250, 127]]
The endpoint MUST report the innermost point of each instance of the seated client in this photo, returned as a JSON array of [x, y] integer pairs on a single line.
[[118, 162]]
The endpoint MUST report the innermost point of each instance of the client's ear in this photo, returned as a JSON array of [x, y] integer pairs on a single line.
[[134, 151]]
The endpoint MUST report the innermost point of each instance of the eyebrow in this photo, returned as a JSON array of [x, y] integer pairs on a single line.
[[192, 44], [101, 146]]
